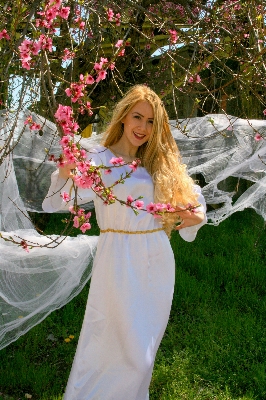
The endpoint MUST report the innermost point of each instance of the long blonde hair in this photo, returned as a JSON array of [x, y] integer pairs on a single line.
[[160, 155]]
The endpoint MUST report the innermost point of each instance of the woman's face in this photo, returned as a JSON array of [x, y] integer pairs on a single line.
[[138, 124]]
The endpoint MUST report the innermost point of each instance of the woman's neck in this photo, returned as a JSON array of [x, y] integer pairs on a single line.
[[121, 149]]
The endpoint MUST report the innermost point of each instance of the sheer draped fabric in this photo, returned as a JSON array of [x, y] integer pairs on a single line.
[[221, 148]]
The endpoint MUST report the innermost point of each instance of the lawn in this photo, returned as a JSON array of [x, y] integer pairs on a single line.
[[214, 347]]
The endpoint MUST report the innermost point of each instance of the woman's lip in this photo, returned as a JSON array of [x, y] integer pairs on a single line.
[[139, 137]]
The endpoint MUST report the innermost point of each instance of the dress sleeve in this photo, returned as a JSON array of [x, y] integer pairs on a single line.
[[53, 201], [189, 234]]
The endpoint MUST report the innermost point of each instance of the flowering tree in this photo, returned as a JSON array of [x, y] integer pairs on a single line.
[[69, 61]]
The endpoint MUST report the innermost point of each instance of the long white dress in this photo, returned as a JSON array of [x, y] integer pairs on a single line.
[[130, 293]]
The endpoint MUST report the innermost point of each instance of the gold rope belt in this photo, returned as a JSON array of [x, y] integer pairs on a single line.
[[130, 232]]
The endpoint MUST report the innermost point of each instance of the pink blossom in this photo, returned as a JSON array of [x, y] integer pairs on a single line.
[[119, 43], [264, 111], [151, 208], [258, 137], [84, 227], [169, 207], [82, 25], [64, 116], [117, 19], [173, 36], [4, 35], [60, 164], [134, 165], [83, 166], [35, 48], [76, 222], [139, 204], [24, 245], [101, 76], [68, 55], [111, 198], [104, 60], [25, 47], [35, 127], [71, 159], [81, 212], [198, 79], [63, 113], [117, 161], [75, 91], [68, 92], [75, 126], [25, 64], [28, 120], [72, 209], [161, 207], [191, 79], [110, 14], [46, 43], [107, 171], [64, 12], [67, 151], [129, 199], [65, 196], [121, 53], [98, 66], [112, 66], [51, 14], [89, 80], [83, 154]]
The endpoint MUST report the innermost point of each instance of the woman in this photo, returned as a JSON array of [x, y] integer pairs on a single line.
[[133, 275]]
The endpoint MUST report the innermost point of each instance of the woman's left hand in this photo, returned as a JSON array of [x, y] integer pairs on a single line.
[[189, 217]]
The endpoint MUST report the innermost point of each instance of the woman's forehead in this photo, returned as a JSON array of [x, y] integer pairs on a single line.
[[143, 108]]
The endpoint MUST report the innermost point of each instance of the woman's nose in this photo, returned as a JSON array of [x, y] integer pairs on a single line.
[[143, 125]]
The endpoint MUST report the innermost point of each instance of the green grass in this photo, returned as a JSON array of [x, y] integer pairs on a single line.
[[214, 347]]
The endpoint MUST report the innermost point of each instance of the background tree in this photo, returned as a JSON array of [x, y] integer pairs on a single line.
[[213, 57]]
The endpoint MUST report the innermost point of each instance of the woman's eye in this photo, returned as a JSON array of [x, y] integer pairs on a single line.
[[137, 116], [151, 122]]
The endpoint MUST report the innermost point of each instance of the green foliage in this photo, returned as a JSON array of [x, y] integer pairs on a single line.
[[214, 347]]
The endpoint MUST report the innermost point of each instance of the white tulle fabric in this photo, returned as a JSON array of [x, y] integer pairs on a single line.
[[32, 285]]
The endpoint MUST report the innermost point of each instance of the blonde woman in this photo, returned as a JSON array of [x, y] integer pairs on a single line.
[[133, 274]]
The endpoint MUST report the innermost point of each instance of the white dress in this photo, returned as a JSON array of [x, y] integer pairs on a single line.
[[130, 294]]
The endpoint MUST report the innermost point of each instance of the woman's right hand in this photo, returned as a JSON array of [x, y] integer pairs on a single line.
[[65, 172]]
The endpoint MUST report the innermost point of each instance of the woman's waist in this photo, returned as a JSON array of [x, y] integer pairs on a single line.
[[131, 231]]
